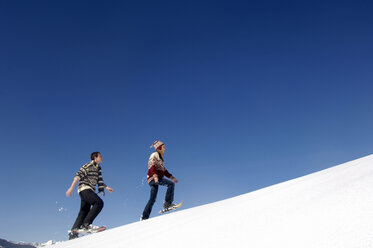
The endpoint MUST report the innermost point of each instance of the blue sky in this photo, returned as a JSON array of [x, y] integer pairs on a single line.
[[245, 94]]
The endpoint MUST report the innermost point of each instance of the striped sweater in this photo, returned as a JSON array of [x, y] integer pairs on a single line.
[[89, 176], [156, 167]]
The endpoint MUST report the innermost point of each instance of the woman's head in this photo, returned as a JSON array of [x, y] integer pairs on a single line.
[[161, 148], [158, 145]]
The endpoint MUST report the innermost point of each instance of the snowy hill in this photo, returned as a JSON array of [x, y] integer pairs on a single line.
[[330, 208]]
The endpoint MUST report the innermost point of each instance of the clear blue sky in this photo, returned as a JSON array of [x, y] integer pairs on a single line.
[[245, 94]]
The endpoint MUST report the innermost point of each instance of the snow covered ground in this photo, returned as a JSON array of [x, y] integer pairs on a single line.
[[330, 208]]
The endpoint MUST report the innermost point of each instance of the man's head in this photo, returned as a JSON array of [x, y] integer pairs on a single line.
[[96, 156]]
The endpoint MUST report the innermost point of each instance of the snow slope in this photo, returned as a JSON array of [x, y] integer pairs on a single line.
[[330, 208]]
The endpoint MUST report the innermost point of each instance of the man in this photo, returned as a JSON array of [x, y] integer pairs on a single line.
[[156, 173], [91, 204]]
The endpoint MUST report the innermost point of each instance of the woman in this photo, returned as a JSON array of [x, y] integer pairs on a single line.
[[156, 173]]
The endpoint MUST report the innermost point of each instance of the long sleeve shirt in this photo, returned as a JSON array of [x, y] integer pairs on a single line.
[[156, 167], [89, 176]]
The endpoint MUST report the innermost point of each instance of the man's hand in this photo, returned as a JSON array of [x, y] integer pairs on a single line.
[[109, 189], [69, 192], [174, 180], [156, 180]]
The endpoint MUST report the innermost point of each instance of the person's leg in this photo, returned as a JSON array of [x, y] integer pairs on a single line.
[[84, 210], [96, 203], [153, 197], [170, 191]]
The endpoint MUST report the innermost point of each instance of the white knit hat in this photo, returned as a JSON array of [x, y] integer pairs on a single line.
[[157, 144]]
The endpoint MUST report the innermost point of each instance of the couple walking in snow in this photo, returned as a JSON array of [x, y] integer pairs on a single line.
[[90, 175]]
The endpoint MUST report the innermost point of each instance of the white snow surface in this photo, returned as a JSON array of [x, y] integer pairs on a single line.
[[330, 208]]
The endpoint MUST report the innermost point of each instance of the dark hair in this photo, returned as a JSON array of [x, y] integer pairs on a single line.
[[94, 155]]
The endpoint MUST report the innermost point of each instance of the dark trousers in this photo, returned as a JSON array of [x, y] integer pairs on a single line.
[[90, 206], [153, 195]]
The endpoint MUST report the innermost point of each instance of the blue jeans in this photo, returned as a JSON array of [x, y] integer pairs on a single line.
[[153, 195]]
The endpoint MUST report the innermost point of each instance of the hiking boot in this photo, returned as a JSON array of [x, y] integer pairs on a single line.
[[72, 234], [89, 227], [167, 205]]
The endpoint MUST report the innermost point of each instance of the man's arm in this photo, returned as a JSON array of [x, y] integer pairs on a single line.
[[80, 174], [109, 189], [70, 190]]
